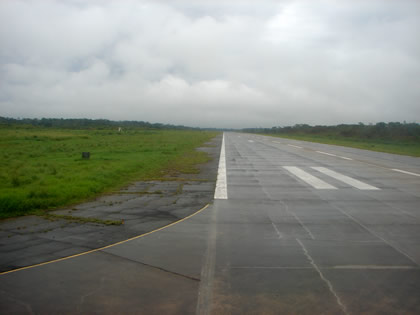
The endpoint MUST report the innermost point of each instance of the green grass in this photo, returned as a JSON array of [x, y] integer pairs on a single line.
[[410, 148], [43, 168]]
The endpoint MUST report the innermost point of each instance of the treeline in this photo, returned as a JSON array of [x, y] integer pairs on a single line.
[[84, 123], [379, 131]]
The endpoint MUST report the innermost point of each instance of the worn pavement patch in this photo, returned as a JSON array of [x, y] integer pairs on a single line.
[[140, 207]]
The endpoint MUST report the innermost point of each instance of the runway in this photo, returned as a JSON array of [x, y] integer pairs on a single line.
[[295, 228]]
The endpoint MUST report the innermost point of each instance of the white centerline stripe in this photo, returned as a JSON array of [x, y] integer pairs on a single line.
[[295, 146], [308, 178], [405, 172], [221, 183], [326, 153], [330, 154], [345, 179], [250, 141]]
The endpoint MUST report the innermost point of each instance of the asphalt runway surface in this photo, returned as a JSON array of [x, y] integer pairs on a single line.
[[296, 228]]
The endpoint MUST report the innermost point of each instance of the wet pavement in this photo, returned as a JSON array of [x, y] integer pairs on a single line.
[[277, 245], [283, 246], [141, 207]]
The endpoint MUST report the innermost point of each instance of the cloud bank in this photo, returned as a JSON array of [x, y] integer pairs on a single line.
[[211, 63]]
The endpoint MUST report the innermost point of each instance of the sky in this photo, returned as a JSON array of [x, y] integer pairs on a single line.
[[224, 64]]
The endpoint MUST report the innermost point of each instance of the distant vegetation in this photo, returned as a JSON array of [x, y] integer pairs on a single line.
[[42, 168], [84, 123], [383, 131], [393, 137]]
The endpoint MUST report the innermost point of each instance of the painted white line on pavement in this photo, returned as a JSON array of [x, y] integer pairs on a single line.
[[326, 153], [405, 172], [295, 146], [308, 178], [221, 183], [345, 179], [250, 141], [341, 157], [277, 142]]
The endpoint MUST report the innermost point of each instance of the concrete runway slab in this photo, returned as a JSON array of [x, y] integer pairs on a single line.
[[276, 245]]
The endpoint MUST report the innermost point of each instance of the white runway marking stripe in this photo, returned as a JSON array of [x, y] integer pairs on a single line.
[[345, 179], [326, 153], [405, 172], [295, 146], [250, 141], [330, 154], [221, 183], [308, 178]]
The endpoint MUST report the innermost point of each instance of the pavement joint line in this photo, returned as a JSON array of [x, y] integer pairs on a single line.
[[376, 235], [297, 218], [15, 299], [271, 267], [330, 286], [92, 292], [205, 289], [401, 210], [154, 267], [108, 246], [276, 229], [405, 172], [374, 267], [344, 267]]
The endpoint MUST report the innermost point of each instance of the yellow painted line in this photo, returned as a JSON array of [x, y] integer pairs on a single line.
[[108, 246]]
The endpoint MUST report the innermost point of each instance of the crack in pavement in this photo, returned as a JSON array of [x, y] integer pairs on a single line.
[[154, 267], [26, 305], [83, 297], [327, 282]]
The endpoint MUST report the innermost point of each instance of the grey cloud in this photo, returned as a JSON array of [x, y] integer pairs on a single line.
[[211, 63]]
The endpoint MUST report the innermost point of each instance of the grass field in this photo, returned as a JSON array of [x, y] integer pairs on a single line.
[[43, 169], [410, 148]]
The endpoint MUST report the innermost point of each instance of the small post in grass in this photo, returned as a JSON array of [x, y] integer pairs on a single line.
[[86, 155]]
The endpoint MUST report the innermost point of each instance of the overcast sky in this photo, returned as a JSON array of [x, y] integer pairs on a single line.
[[212, 63]]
